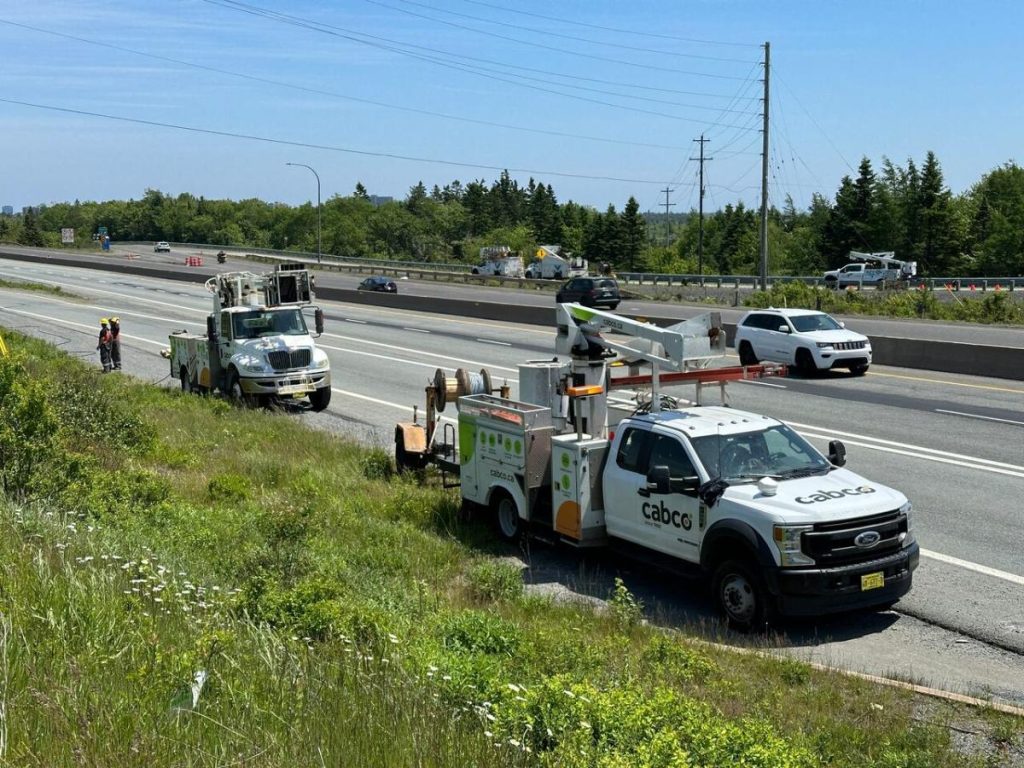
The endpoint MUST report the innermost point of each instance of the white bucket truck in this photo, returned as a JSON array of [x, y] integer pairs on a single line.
[[257, 344], [773, 524], [500, 261], [552, 263], [877, 269]]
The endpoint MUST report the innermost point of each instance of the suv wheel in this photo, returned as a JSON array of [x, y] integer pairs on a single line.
[[805, 362], [747, 356]]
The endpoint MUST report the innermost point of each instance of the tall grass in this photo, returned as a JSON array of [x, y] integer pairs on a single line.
[[340, 616]]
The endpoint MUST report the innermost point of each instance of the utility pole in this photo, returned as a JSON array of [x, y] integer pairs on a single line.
[[667, 204], [764, 172], [700, 222]]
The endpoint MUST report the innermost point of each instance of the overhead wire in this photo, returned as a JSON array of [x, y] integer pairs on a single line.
[[551, 33], [334, 94], [238, 5], [610, 29], [325, 147], [235, 5]]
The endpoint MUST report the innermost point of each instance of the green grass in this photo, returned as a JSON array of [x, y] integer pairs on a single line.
[[343, 615], [55, 290]]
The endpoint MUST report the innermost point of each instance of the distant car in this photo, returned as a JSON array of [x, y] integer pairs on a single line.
[[383, 284], [590, 292], [162, 247], [812, 341]]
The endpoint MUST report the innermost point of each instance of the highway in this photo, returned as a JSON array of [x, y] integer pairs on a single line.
[[954, 444]]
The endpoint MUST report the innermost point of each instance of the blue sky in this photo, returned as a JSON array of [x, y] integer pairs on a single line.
[[612, 93]]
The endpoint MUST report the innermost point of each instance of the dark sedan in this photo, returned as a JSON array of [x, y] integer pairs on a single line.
[[383, 284], [590, 292]]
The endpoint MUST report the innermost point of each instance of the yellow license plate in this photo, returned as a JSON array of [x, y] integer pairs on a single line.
[[872, 581]]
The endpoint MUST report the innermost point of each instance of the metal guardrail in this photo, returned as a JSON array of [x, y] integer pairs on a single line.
[[752, 282]]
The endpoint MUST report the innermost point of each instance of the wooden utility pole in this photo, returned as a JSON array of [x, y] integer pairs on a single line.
[[700, 207], [667, 204], [764, 172]]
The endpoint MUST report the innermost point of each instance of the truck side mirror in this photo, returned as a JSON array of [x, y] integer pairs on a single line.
[[318, 320], [658, 480], [211, 330], [837, 452]]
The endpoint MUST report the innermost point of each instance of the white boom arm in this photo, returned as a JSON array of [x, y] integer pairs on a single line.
[[885, 257]]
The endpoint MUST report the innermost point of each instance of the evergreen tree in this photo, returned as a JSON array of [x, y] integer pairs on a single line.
[[30, 234], [361, 191], [633, 232]]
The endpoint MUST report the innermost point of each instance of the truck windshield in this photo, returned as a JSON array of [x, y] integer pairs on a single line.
[[269, 322], [777, 452]]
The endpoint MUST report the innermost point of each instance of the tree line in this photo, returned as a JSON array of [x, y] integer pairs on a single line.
[[905, 209]]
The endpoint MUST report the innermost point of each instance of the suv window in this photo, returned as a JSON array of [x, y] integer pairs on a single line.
[[607, 283]]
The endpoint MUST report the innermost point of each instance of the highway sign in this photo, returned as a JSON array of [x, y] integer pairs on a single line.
[[67, 235]]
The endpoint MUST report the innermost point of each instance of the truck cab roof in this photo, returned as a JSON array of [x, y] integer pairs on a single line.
[[705, 420]]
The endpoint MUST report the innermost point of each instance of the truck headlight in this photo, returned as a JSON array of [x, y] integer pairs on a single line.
[[253, 364], [787, 539], [905, 510], [321, 362]]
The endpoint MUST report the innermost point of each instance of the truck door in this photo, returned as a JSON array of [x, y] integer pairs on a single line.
[[664, 522]]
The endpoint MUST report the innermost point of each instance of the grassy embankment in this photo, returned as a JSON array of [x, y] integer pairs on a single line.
[[342, 616]]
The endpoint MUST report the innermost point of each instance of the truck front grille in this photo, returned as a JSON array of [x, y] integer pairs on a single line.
[[284, 359], [832, 544]]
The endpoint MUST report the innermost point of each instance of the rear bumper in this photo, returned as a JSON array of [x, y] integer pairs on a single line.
[[287, 384], [820, 591]]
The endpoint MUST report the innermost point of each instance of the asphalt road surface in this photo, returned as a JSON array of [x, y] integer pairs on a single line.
[[953, 444]]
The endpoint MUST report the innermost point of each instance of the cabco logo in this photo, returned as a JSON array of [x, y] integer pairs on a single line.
[[659, 513], [826, 495]]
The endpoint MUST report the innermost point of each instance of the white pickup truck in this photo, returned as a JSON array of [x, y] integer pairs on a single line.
[[741, 498]]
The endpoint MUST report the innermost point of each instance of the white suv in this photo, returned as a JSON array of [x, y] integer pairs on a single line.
[[162, 247], [810, 340]]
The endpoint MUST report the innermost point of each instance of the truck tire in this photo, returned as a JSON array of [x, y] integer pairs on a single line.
[[234, 390], [741, 596], [186, 382], [506, 516], [319, 399], [747, 356]]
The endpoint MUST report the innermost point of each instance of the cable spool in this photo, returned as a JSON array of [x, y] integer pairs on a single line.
[[465, 383]]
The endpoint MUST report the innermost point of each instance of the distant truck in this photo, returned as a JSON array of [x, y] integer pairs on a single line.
[[257, 345], [499, 260], [555, 264], [872, 269]]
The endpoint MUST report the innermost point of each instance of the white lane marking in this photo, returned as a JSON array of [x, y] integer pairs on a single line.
[[969, 463], [351, 320], [983, 569], [400, 360], [388, 403], [763, 384], [979, 416], [421, 353], [492, 341], [918, 448], [89, 327], [416, 330]]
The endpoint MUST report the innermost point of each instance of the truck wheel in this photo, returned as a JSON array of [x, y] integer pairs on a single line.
[[741, 596], [507, 516], [320, 398], [186, 382], [805, 362], [235, 392], [747, 356]]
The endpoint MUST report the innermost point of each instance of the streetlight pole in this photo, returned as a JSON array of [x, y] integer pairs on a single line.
[[303, 165]]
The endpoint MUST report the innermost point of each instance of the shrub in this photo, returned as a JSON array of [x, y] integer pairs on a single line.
[[377, 465], [228, 488], [478, 632], [625, 609], [496, 580]]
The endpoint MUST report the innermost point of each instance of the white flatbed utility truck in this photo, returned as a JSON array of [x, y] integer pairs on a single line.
[[879, 269], [739, 497], [257, 345]]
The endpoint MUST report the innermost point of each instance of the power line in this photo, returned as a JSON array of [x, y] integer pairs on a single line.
[[549, 33], [612, 29], [237, 5], [334, 94], [325, 147]]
